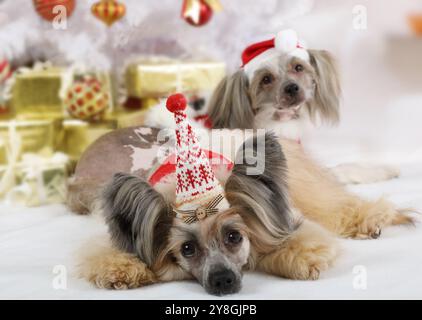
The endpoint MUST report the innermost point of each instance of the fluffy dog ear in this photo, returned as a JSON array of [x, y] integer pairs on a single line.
[[262, 193], [230, 106], [137, 216], [326, 100]]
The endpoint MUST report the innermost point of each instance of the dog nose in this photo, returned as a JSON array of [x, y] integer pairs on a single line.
[[291, 89], [223, 282]]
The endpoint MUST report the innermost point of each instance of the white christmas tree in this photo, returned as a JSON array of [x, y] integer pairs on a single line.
[[149, 27]]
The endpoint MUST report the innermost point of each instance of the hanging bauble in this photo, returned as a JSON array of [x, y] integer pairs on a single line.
[[86, 99], [5, 70], [199, 12], [45, 8], [5, 73], [108, 11]]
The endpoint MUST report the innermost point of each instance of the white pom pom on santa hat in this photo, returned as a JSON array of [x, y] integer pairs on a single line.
[[286, 40]]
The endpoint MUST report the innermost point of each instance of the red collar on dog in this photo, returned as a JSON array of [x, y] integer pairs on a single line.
[[168, 167], [205, 119]]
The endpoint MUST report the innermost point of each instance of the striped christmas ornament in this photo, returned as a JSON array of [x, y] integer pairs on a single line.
[[45, 8], [108, 11], [86, 99]]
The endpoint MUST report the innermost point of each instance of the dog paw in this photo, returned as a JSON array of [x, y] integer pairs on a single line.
[[367, 230], [109, 268], [113, 279], [124, 277], [313, 259], [374, 216], [310, 251]]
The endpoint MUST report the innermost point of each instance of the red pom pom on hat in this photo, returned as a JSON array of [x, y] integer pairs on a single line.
[[176, 102]]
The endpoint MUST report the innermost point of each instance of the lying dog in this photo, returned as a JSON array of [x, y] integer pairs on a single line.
[[280, 219]]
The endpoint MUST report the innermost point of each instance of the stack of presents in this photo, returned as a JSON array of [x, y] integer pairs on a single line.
[[49, 116]]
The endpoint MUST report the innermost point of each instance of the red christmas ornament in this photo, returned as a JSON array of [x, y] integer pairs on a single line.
[[45, 8], [196, 12]]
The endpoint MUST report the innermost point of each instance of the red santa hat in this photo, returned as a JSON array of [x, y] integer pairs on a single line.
[[198, 192], [285, 42]]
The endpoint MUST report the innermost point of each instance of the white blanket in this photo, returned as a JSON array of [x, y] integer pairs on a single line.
[[36, 242]]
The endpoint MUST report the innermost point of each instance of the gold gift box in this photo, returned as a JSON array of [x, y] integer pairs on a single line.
[[36, 93], [131, 118], [30, 136], [77, 135], [158, 78]]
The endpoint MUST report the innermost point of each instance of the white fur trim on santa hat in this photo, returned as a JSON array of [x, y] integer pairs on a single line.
[[259, 61], [285, 42]]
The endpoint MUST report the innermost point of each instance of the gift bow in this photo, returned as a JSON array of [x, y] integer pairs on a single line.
[[200, 213]]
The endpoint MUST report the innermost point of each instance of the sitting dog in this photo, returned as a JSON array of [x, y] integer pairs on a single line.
[[269, 209]]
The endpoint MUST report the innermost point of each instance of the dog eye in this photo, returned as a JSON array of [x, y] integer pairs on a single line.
[[299, 68], [267, 79], [233, 237], [188, 249], [198, 104]]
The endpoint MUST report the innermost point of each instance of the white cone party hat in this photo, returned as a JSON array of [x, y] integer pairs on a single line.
[[198, 193]]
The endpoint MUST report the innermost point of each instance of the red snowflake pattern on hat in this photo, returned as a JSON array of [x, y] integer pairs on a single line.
[[196, 183]]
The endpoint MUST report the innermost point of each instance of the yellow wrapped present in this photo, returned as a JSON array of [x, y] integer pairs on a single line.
[[130, 118], [160, 77], [22, 136], [79, 134], [36, 93]]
